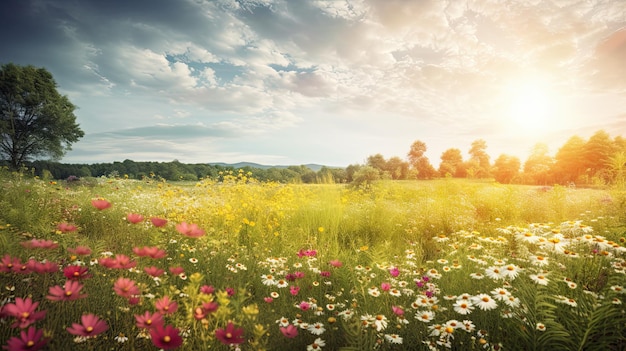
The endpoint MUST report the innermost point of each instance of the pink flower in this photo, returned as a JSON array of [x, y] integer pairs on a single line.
[[149, 251], [394, 271], [119, 262], [158, 222], [100, 204], [23, 310], [190, 230], [39, 244], [134, 218], [325, 273], [205, 309], [304, 305], [336, 263], [69, 292], [8, 263], [149, 320], [90, 326], [294, 290], [80, 251], [177, 270], [230, 291], [45, 267], [125, 288], [66, 227], [31, 340], [397, 310], [166, 338], [289, 331], [230, 335], [165, 305], [154, 271], [268, 299], [385, 286], [75, 272], [207, 289]]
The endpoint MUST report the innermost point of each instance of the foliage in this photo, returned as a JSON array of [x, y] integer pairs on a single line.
[[318, 266], [36, 121]]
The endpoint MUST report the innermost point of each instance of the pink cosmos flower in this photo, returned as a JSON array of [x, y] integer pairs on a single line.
[[76, 272], [100, 204], [69, 292], [165, 305], [80, 251], [304, 305], [149, 320], [190, 230], [166, 338], [8, 263], [394, 271], [66, 227], [118, 262], [230, 335], [39, 244], [45, 267], [207, 289], [268, 299], [90, 326], [107, 262], [154, 271], [125, 288], [290, 331], [205, 309], [385, 286], [158, 222], [294, 290], [23, 310], [177, 270], [397, 310], [134, 218], [31, 340], [336, 263], [149, 251], [230, 291]]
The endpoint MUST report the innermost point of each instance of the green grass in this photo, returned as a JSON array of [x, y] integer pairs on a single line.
[[437, 233]]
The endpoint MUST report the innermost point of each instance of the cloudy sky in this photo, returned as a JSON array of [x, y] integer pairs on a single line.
[[285, 82]]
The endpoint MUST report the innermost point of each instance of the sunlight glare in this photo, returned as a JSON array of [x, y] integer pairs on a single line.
[[531, 107]]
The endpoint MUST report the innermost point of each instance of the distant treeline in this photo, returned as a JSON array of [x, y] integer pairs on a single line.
[[600, 160]]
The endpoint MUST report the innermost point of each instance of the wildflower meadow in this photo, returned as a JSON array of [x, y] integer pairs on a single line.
[[233, 263]]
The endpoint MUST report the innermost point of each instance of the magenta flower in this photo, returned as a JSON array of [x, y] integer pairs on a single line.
[[31, 340], [69, 292], [23, 310], [75, 272], [134, 218], [45, 267], [165, 305], [125, 288], [230, 335], [394, 271], [149, 251], [294, 290], [90, 326], [39, 244], [385, 286], [397, 310], [207, 289], [190, 230], [304, 305], [336, 263], [100, 204], [166, 338], [289, 331], [149, 320], [177, 270]]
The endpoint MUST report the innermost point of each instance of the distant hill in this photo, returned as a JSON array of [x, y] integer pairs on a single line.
[[314, 167]]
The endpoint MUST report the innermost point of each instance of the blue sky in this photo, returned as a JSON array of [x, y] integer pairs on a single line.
[[331, 82]]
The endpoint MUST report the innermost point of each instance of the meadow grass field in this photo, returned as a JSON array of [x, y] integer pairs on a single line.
[[236, 264]]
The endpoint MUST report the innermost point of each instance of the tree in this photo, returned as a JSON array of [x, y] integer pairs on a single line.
[[419, 162], [597, 152], [569, 164], [452, 164], [35, 121], [506, 168], [480, 158], [538, 165]]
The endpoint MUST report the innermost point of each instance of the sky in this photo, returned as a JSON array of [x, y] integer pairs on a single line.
[[291, 82]]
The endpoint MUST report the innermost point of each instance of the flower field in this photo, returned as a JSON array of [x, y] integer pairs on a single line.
[[237, 264]]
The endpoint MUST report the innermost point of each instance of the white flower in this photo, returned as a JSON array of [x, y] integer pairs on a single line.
[[539, 279], [484, 302], [316, 345], [316, 328], [425, 316], [463, 307], [393, 338]]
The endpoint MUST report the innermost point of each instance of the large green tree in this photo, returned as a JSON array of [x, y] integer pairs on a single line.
[[420, 162], [36, 120]]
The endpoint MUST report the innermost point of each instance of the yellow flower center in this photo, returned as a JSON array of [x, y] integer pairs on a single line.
[[166, 338], [89, 329], [30, 343]]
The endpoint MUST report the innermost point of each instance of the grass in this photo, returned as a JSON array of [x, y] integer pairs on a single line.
[[309, 267]]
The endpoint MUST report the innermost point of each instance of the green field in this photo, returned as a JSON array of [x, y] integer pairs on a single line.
[[399, 265]]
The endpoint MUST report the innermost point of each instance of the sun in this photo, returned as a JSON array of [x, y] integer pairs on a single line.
[[530, 106]]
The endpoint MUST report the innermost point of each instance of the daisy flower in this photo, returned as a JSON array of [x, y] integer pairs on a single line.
[[425, 316], [539, 279], [393, 338], [463, 307], [500, 294], [494, 272], [484, 302]]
